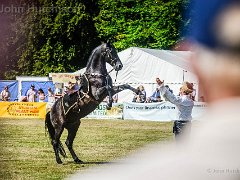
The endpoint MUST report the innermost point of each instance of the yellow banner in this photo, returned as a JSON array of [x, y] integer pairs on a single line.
[[23, 109]]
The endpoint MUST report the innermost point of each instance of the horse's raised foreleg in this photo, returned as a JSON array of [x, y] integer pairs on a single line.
[[117, 89], [103, 92], [109, 88], [110, 99], [72, 131]]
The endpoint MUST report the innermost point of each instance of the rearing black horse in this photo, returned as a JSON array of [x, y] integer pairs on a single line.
[[95, 85]]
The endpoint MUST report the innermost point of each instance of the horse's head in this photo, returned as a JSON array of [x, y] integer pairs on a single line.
[[111, 56]]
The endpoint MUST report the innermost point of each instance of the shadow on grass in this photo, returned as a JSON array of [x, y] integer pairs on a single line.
[[85, 163]]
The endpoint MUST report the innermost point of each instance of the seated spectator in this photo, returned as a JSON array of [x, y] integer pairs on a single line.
[[41, 95], [156, 96], [159, 99], [23, 99], [148, 100], [140, 96], [106, 99], [115, 98], [5, 94]]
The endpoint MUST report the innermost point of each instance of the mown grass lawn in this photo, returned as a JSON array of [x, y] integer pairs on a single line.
[[26, 152]]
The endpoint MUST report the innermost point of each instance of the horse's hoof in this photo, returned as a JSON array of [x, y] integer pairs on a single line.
[[78, 161], [108, 108], [59, 161]]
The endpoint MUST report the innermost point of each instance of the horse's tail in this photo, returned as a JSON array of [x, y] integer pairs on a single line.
[[49, 127], [51, 132]]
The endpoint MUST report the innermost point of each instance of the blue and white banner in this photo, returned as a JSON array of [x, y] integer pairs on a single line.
[[162, 111]]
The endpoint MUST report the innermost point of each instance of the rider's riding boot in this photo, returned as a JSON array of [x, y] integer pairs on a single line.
[[66, 100]]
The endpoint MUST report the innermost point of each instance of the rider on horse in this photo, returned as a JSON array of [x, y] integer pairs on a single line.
[[71, 88]]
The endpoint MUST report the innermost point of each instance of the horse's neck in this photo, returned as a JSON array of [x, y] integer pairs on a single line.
[[96, 64]]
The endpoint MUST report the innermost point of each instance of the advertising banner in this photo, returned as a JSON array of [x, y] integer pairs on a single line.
[[23, 109], [101, 112], [63, 77], [162, 111]]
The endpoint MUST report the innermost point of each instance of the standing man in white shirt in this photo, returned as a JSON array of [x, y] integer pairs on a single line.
[[32, 94]]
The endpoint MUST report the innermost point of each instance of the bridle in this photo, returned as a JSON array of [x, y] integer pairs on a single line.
[[108, 52]]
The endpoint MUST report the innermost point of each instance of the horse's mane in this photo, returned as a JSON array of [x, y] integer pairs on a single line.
[[92, 55]]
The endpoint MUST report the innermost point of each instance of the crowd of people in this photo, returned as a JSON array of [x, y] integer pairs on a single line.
[[34, 95], [38, 95], [141, 97]]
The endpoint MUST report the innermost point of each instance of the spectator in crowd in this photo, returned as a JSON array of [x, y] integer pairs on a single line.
[[58, 92], [140, 96], [184, 105], [155, 97], [72, 87], [115, 98], [41, 95], [23, 99], [51, 97], [5, 94], [106, 99], [32, 94], [212, 152], [158, 81], [158, 99]]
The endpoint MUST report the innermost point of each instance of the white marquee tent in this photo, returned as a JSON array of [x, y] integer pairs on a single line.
[[141, 66]]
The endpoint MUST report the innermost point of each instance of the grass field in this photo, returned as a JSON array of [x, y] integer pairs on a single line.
[[26, 152]]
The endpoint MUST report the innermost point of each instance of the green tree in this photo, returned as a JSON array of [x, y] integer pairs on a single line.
[[148, 23], [58, 36]]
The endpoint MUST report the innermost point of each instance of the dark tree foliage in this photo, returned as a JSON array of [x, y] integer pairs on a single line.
[[54, 36]]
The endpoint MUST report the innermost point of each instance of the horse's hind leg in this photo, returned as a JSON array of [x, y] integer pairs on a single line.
[[72, 131], [56, 143]]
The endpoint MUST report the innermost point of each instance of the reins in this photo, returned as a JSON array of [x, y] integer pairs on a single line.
[[116, 74]]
